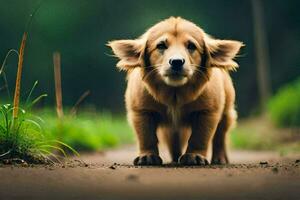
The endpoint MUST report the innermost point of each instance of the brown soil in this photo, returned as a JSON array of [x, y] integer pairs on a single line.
[[110, 175]]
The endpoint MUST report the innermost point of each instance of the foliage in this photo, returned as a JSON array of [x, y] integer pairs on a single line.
[[253, 133], [284, 107], [89, 132], [259, 133], [22, 138]]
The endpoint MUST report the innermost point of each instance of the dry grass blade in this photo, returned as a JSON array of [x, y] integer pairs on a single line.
[[6, 57], [81, 98], [57, 79], [19, 76]]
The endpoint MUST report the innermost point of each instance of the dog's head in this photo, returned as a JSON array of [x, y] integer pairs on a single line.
[[174, 50]]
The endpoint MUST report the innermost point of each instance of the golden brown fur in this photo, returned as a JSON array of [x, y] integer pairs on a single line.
[[194, 107]]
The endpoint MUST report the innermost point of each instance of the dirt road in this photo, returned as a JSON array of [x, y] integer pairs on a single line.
[[110, 175]]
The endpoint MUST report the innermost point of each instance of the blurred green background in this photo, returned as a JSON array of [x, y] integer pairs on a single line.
[[79, 30]]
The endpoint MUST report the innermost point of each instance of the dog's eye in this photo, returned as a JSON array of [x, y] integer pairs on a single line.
[[191, 46], [161, 46]]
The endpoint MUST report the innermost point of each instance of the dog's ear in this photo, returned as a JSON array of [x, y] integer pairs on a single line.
[[222, 52], [129, 52]]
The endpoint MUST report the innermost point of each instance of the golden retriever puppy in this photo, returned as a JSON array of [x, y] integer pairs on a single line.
[[178, 85]]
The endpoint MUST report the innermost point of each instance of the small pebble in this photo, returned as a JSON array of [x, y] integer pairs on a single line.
[[263, 163], [297, 161], [112, 167]]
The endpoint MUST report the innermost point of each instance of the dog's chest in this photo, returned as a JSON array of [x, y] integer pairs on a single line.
[[174, 114]]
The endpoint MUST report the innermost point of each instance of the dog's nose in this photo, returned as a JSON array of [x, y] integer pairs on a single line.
[[176, 64]]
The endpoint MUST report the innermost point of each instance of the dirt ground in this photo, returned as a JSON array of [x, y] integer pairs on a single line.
[[110, 175]]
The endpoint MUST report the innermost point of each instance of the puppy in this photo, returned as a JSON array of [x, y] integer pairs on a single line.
[[179, 86]]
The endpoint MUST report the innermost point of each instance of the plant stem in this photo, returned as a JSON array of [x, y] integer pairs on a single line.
[[19, 76], [81, 98], [57, 79]]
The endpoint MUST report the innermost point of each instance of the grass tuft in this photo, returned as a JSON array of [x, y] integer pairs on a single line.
[[23, 138]]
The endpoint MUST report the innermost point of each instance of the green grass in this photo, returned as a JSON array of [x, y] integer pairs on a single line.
[[284, 107], [88, 132], [260, 134], [23, 138], [246, 136], [46, 138]]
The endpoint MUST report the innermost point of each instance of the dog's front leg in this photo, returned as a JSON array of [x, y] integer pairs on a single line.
[[203, 128], [145, 125]]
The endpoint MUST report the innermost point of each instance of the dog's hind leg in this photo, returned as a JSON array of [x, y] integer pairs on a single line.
[[219, 141]]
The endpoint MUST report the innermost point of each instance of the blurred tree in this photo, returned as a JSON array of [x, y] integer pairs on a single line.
[[262, 55]]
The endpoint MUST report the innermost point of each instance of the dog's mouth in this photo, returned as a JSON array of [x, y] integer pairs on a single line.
[[175, 75], [175, 78]]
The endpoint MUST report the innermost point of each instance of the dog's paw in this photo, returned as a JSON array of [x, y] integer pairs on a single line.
[[148, 159], [193, 159], [220, 160]]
